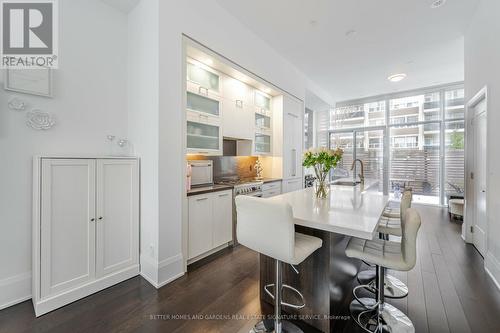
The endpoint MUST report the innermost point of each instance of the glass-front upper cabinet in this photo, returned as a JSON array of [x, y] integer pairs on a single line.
[[262, 102], [201, 80], [262, 121], [262, 144], [203, 138], [202, 105]]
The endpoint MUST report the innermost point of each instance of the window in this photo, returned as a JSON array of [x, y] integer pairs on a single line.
[[414, 152], [308, 128]]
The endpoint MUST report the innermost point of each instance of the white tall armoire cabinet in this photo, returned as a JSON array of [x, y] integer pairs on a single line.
[[85, 227]]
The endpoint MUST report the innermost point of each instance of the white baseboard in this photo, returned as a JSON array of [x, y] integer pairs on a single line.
[[15, 289], [492, 268], [164, 272]]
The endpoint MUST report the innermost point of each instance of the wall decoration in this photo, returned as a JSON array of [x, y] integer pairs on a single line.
[[29, 81], [17, 104], [39, 120]]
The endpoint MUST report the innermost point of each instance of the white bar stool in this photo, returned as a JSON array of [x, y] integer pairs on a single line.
[[374, 315], [393, 287], [267, 226]]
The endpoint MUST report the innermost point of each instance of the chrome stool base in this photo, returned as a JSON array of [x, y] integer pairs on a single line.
[[393, 287], [365, 314], [268, 326]]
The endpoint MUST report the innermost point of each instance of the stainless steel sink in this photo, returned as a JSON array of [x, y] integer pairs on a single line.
[[346, 182]]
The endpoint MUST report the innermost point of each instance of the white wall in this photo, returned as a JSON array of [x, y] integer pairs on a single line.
[[211, 25], [143, 110], [90, 101], [482, 67]]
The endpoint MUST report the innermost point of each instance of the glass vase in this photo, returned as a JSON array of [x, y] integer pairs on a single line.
[[321, 188]]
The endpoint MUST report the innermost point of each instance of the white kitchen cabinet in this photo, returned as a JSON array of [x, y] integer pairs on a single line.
[[201, 107], [204, 138], [293, 112], [222, 218], [294, 184], [85, 227], [210, 222], [237, 109], [202, 80], [67, 225], [200, 224], [262, 143], [117, 243], [237, 120], [271, 189]]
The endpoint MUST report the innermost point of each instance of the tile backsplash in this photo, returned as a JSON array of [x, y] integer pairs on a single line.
[[231, 166]]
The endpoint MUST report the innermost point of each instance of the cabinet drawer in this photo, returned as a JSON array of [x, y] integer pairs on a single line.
[[271, 193], [272, 186]]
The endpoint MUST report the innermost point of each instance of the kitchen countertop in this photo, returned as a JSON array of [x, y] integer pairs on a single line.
[[348, 210], [271, 180], [208, 189]]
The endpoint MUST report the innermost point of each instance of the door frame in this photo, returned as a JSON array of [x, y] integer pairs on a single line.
[[469, 212]]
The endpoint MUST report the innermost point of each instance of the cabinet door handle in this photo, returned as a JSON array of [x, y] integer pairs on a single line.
[[100, 217], [293, 115], [223, 195], [294, 162], [201, 199], [203, 88], [92, 219], [239, 103]]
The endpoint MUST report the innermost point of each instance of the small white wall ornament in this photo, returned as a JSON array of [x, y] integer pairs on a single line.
[[17, 104], [39, 120]]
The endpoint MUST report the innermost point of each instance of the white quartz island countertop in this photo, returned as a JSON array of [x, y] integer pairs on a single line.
[[348, 210]]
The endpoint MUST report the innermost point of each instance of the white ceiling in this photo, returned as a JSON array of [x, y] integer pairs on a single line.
[[124, 6], [392, 36]]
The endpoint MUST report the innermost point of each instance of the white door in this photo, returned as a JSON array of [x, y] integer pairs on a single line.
[[222, 218], [117, 217], [200, 228], [479, 179], [67, 227]]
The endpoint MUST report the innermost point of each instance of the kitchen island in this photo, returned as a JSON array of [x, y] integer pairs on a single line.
[[327, 277]]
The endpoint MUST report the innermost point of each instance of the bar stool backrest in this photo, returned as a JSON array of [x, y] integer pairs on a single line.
[[405, 202], [266, 226], [410, 225]]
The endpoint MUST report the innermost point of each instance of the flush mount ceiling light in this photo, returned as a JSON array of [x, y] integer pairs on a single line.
[[437, 3], [397, 77], [350, 33]]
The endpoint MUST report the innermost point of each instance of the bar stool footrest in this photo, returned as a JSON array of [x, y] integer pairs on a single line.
[[285, 286]]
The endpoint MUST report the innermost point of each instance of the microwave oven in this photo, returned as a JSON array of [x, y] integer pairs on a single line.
[[202, 172]]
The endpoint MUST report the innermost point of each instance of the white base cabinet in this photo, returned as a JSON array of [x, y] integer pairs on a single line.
[[210, 222], [85, 227]]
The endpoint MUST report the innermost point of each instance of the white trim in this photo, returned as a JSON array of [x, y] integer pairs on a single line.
[[163, 272], [51, 303], [15, 289], [492, 268], [468, 222]]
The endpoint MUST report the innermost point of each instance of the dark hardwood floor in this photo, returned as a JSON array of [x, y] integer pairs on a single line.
[[449, 292]]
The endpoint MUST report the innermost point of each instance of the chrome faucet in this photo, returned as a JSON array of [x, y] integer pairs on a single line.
[[362, 174]]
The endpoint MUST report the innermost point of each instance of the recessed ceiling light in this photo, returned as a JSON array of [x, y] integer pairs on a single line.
[[397, 77], [350, 33], [209, 61], [267, 90], [437, 3]]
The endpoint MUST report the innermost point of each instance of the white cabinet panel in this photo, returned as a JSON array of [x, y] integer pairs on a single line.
[[237, 120], [200, 225], [117, 215], [290, 185], [67, 224], [222, 218], [293, 137]]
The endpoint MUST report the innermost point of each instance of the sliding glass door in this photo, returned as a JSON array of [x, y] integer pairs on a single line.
[[413, 139], [364, 145]]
